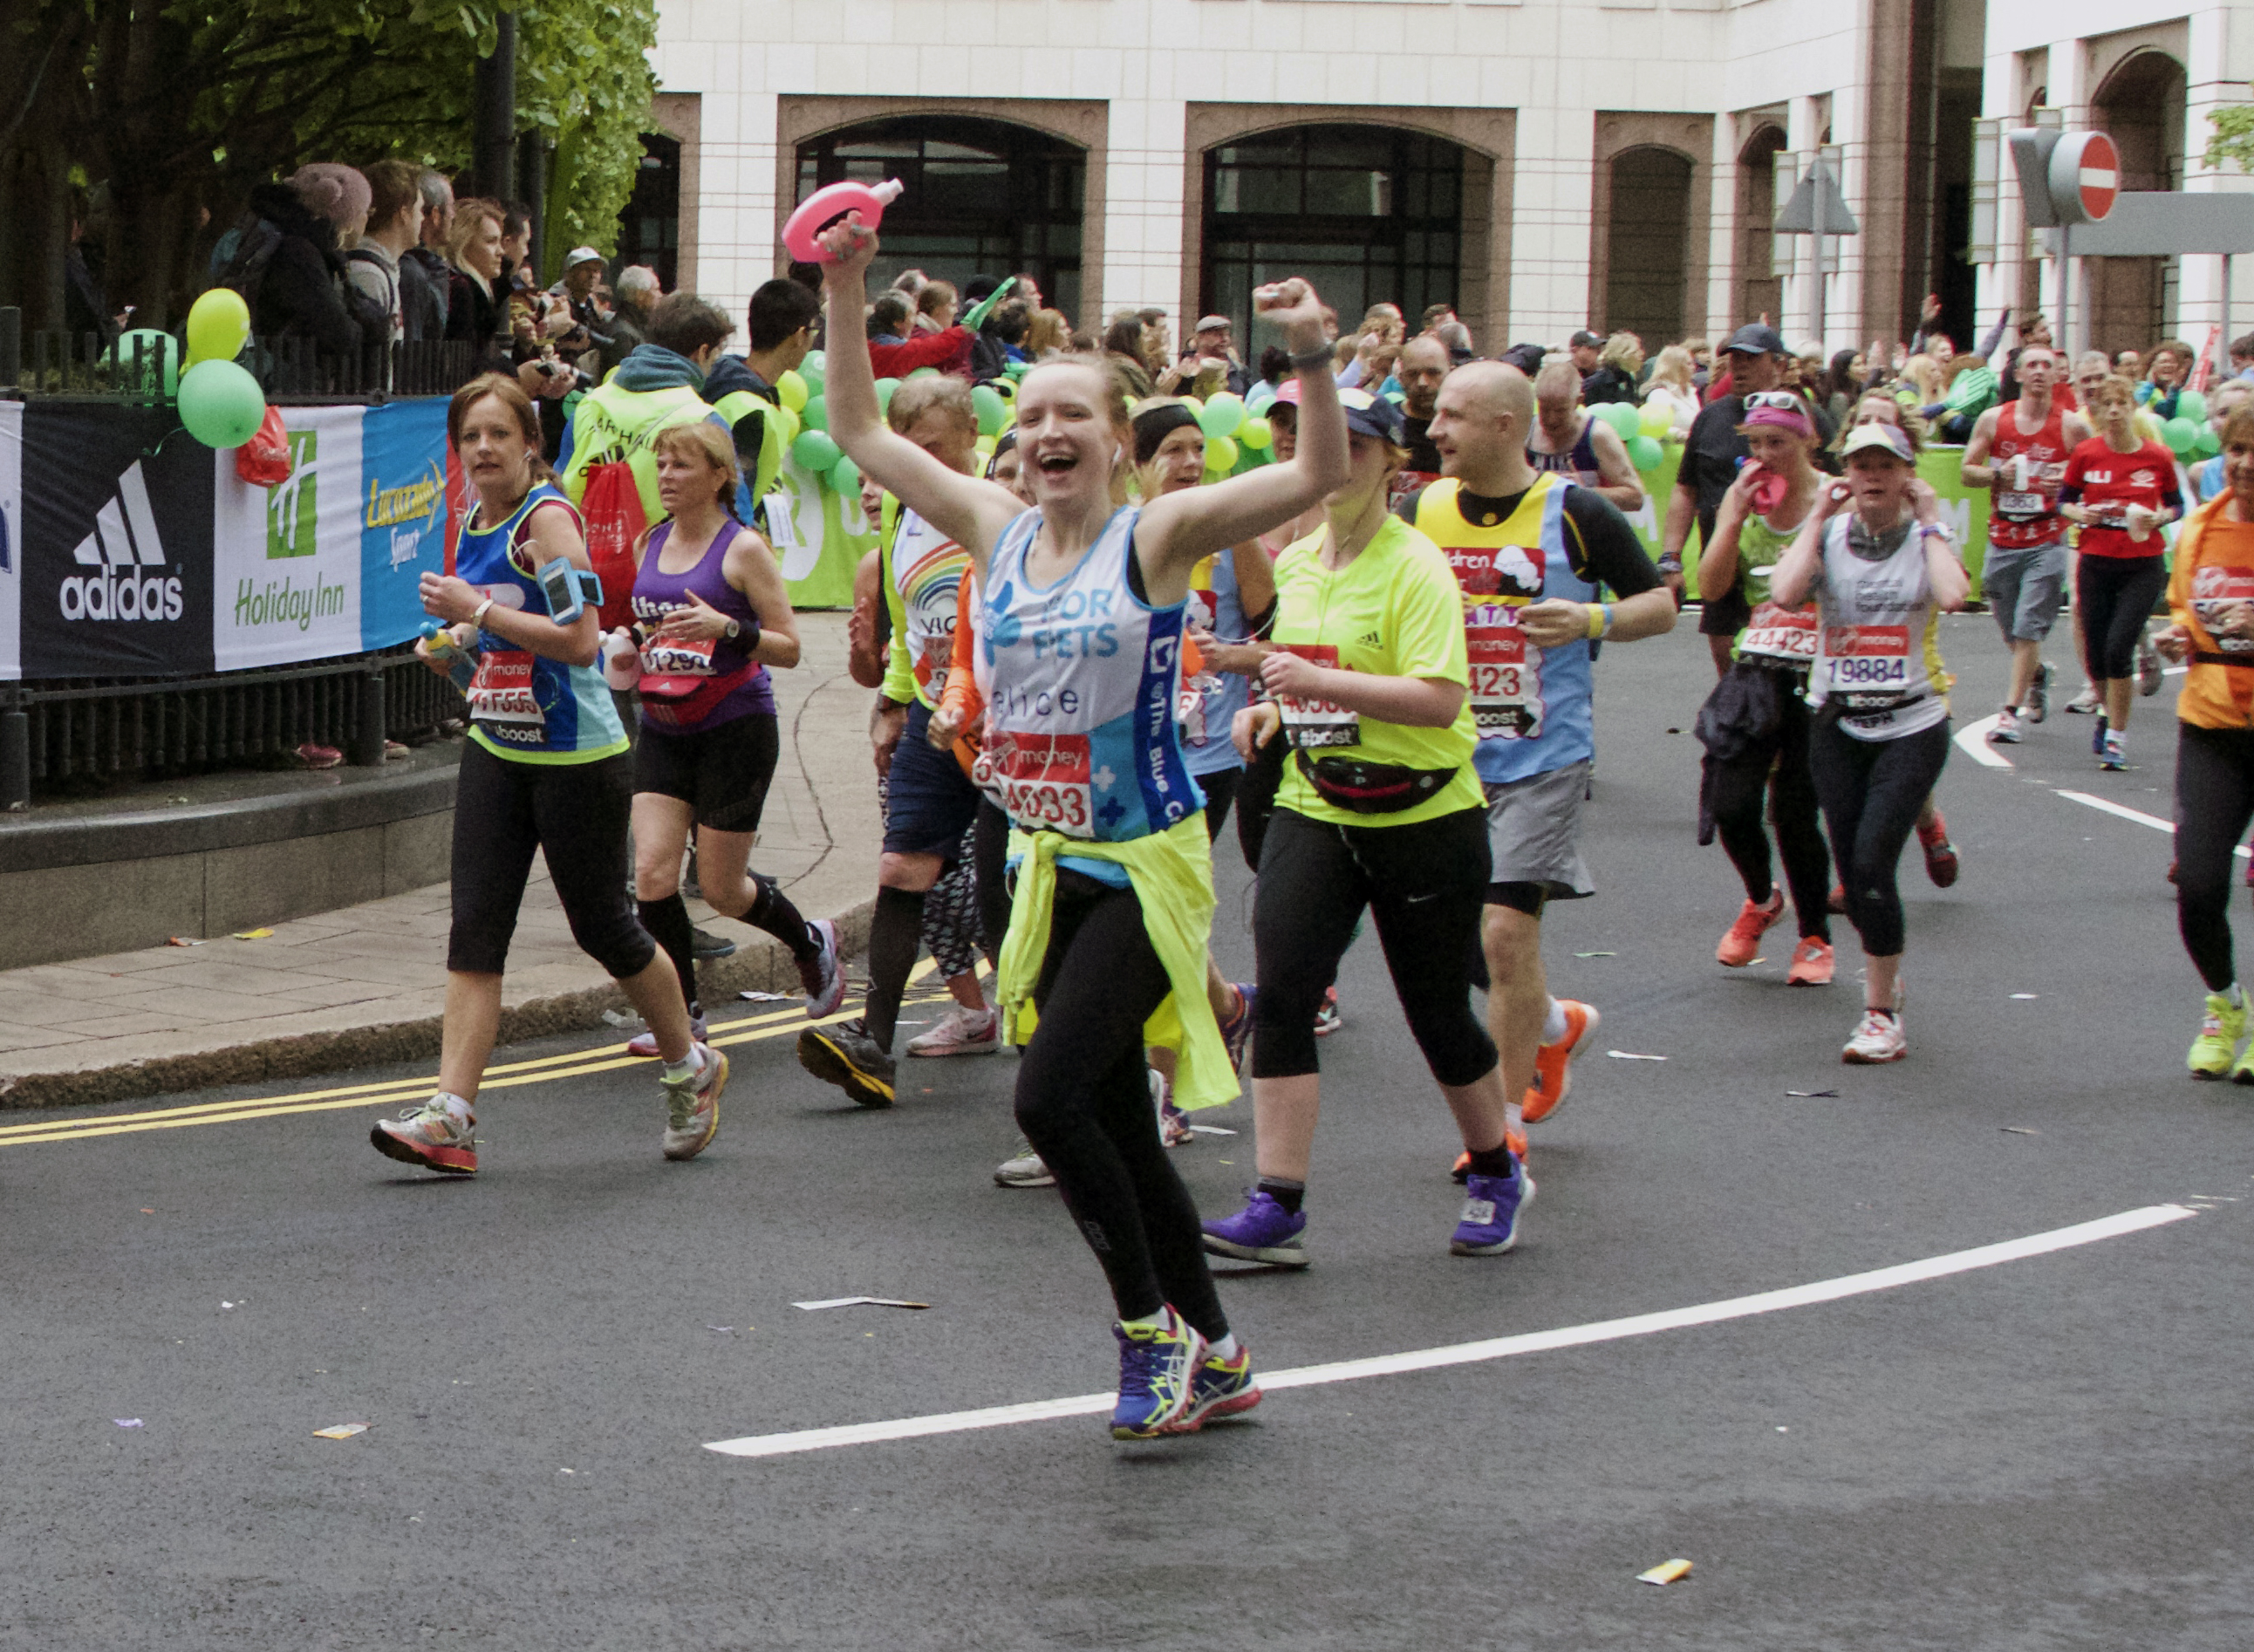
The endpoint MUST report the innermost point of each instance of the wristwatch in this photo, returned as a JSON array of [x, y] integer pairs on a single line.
[[735, 629]]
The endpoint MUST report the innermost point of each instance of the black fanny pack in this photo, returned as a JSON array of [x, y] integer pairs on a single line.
[[1361, 787]]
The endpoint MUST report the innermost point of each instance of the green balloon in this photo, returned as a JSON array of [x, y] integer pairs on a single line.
[[986, 402], [814, 450], [885, 389], [2209, 443], [1624, 417], [845, 479], [1643, 452], [1221, 416], [149, 361], [2190, 405], [815, 415], [925, 373], [2180, 434], [220, 403], [814, 369]]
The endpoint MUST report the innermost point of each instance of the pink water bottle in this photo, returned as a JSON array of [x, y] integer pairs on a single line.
[[824, 207], [621, 660]]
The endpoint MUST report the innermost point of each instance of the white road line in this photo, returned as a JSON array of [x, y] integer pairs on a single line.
[[1800, 1296], [1973, 737], [2111, 808]]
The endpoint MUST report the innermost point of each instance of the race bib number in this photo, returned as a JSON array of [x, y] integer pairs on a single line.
[[1866, 659], [2021, 505], [1044, 781], [677, 657], [1780, 633], [2214, 591], [1506, 686], [1314, 724], [502, 699]]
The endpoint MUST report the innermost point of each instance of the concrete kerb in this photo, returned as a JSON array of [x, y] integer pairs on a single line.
[[761, 964]]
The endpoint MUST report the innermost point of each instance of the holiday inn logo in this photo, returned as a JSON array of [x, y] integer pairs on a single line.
[[291, 503]]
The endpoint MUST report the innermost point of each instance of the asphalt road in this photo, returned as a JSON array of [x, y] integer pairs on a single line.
[[2048, 1453]]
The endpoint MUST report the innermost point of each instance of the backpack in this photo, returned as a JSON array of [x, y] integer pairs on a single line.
[[611, 510], [378, 318], [257, 240]]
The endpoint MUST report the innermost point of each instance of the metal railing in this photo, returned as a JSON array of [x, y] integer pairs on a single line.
[[54, 731], [53, 362]]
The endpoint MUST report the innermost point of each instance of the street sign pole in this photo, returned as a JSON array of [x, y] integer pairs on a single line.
[[2066, 295]]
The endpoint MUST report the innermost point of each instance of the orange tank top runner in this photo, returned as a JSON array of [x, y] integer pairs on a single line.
[[2214, 569]]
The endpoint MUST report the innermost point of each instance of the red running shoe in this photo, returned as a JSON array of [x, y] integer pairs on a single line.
[[1743, 941], [1940, 853]]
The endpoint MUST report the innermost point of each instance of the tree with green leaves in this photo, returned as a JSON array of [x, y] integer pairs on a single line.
[[153, 119]]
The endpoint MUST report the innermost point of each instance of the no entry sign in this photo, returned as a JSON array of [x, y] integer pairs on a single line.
[[2085, 177]]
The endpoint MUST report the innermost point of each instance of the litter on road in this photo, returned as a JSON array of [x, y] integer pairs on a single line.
[[1669, 1572], [126, 1422], [340, 1431], [1630, 1055], [1810, 1095], [860, 1302]]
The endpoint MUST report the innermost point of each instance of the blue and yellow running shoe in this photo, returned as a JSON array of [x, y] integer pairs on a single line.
[[1157, 1365], [1220, 1388]]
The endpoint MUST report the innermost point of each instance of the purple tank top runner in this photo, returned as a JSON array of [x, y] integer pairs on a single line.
[[657, 594]]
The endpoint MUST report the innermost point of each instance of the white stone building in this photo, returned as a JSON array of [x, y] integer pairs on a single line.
[[1542, 165]]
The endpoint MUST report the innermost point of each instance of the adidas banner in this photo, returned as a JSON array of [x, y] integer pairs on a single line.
[[117, 544], [138, 551]]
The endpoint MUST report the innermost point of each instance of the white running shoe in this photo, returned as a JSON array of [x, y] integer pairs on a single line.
[[645, 1044], [961, 1031], [823, 976], [1878, 1039], [1023, 1169], [692, 1105], [1173, 1124], [2150, 674], [2086, 704], [2006, 732]]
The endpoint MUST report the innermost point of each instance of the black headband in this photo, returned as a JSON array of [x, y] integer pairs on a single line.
[[1153, 425]]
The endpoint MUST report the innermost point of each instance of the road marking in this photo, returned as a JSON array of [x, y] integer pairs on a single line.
[[1973, 737], [396, 1092], [1800, 1296], [2122, 809]]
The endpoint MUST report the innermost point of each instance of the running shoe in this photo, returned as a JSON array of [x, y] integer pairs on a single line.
[[645, 1044], [1743, 939], [1553, 1063], [1492, 1207], [1237, 1031], [823, 976], [1940, 854], [705, 944], [1173, 1124], [845, 1055], [961, 1031], [1262, 1231], [1837, 901], [1156, 1368], [1023, 1169], [2241, 1070], [1328, 1019], [2006, 732], [1811, 963], [1460, 1172], [2149, 673], [1878, 1039], [2036, 706], [2221, 1032], [2115, 757], [2097, 736], [2087, 702], [434, 1136], [692, 1103], [1219, 1388]]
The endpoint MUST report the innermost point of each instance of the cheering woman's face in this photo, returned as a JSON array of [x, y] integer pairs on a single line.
[[1067, 434], [1180, 463]]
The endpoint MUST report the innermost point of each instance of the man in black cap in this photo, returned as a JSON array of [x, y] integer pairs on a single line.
[[1712, 451], [1586, 347]]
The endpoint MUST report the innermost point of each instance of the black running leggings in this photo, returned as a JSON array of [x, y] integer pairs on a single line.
[[1425, 886], [2115, 595], [1084, 1104], [2215, 803], [1871, 791], [1790, 791], [576, 813]]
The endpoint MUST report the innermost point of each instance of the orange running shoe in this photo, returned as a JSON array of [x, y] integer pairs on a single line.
[[1940, 854], [1553, 1063], [1811, 963], [1743, 940]]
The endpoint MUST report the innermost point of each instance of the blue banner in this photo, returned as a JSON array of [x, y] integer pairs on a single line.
[[403, 515]]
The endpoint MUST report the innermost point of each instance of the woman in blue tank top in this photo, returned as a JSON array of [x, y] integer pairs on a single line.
[[1082, 625], [711, 615], [545, 769]]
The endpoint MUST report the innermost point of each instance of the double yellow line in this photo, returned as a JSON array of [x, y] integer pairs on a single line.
[[400, 1092]]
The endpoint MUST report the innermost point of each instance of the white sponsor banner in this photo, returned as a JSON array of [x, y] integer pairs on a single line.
[[11, 540], [286, 559]]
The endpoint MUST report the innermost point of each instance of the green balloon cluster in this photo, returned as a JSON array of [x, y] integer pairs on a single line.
[[1624, 417], [2181, 434]]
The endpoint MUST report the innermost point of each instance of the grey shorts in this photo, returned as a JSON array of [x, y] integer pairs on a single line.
[[2024, 588], [1534, 832]]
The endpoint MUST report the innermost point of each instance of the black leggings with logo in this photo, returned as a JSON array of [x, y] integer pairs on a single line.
[[1873, 791]]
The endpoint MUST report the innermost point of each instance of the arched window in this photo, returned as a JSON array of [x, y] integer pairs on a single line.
[[1648, 245], [1370, 215], [2132, 301], [981, 196]]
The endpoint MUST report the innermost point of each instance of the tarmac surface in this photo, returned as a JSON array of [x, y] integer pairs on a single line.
[[2048, 1450]]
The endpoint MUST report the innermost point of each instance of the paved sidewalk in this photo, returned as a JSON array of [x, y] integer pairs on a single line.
[[368, 983]]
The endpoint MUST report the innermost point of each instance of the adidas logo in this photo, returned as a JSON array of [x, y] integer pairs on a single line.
[[123, 543], [1370, 639]]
